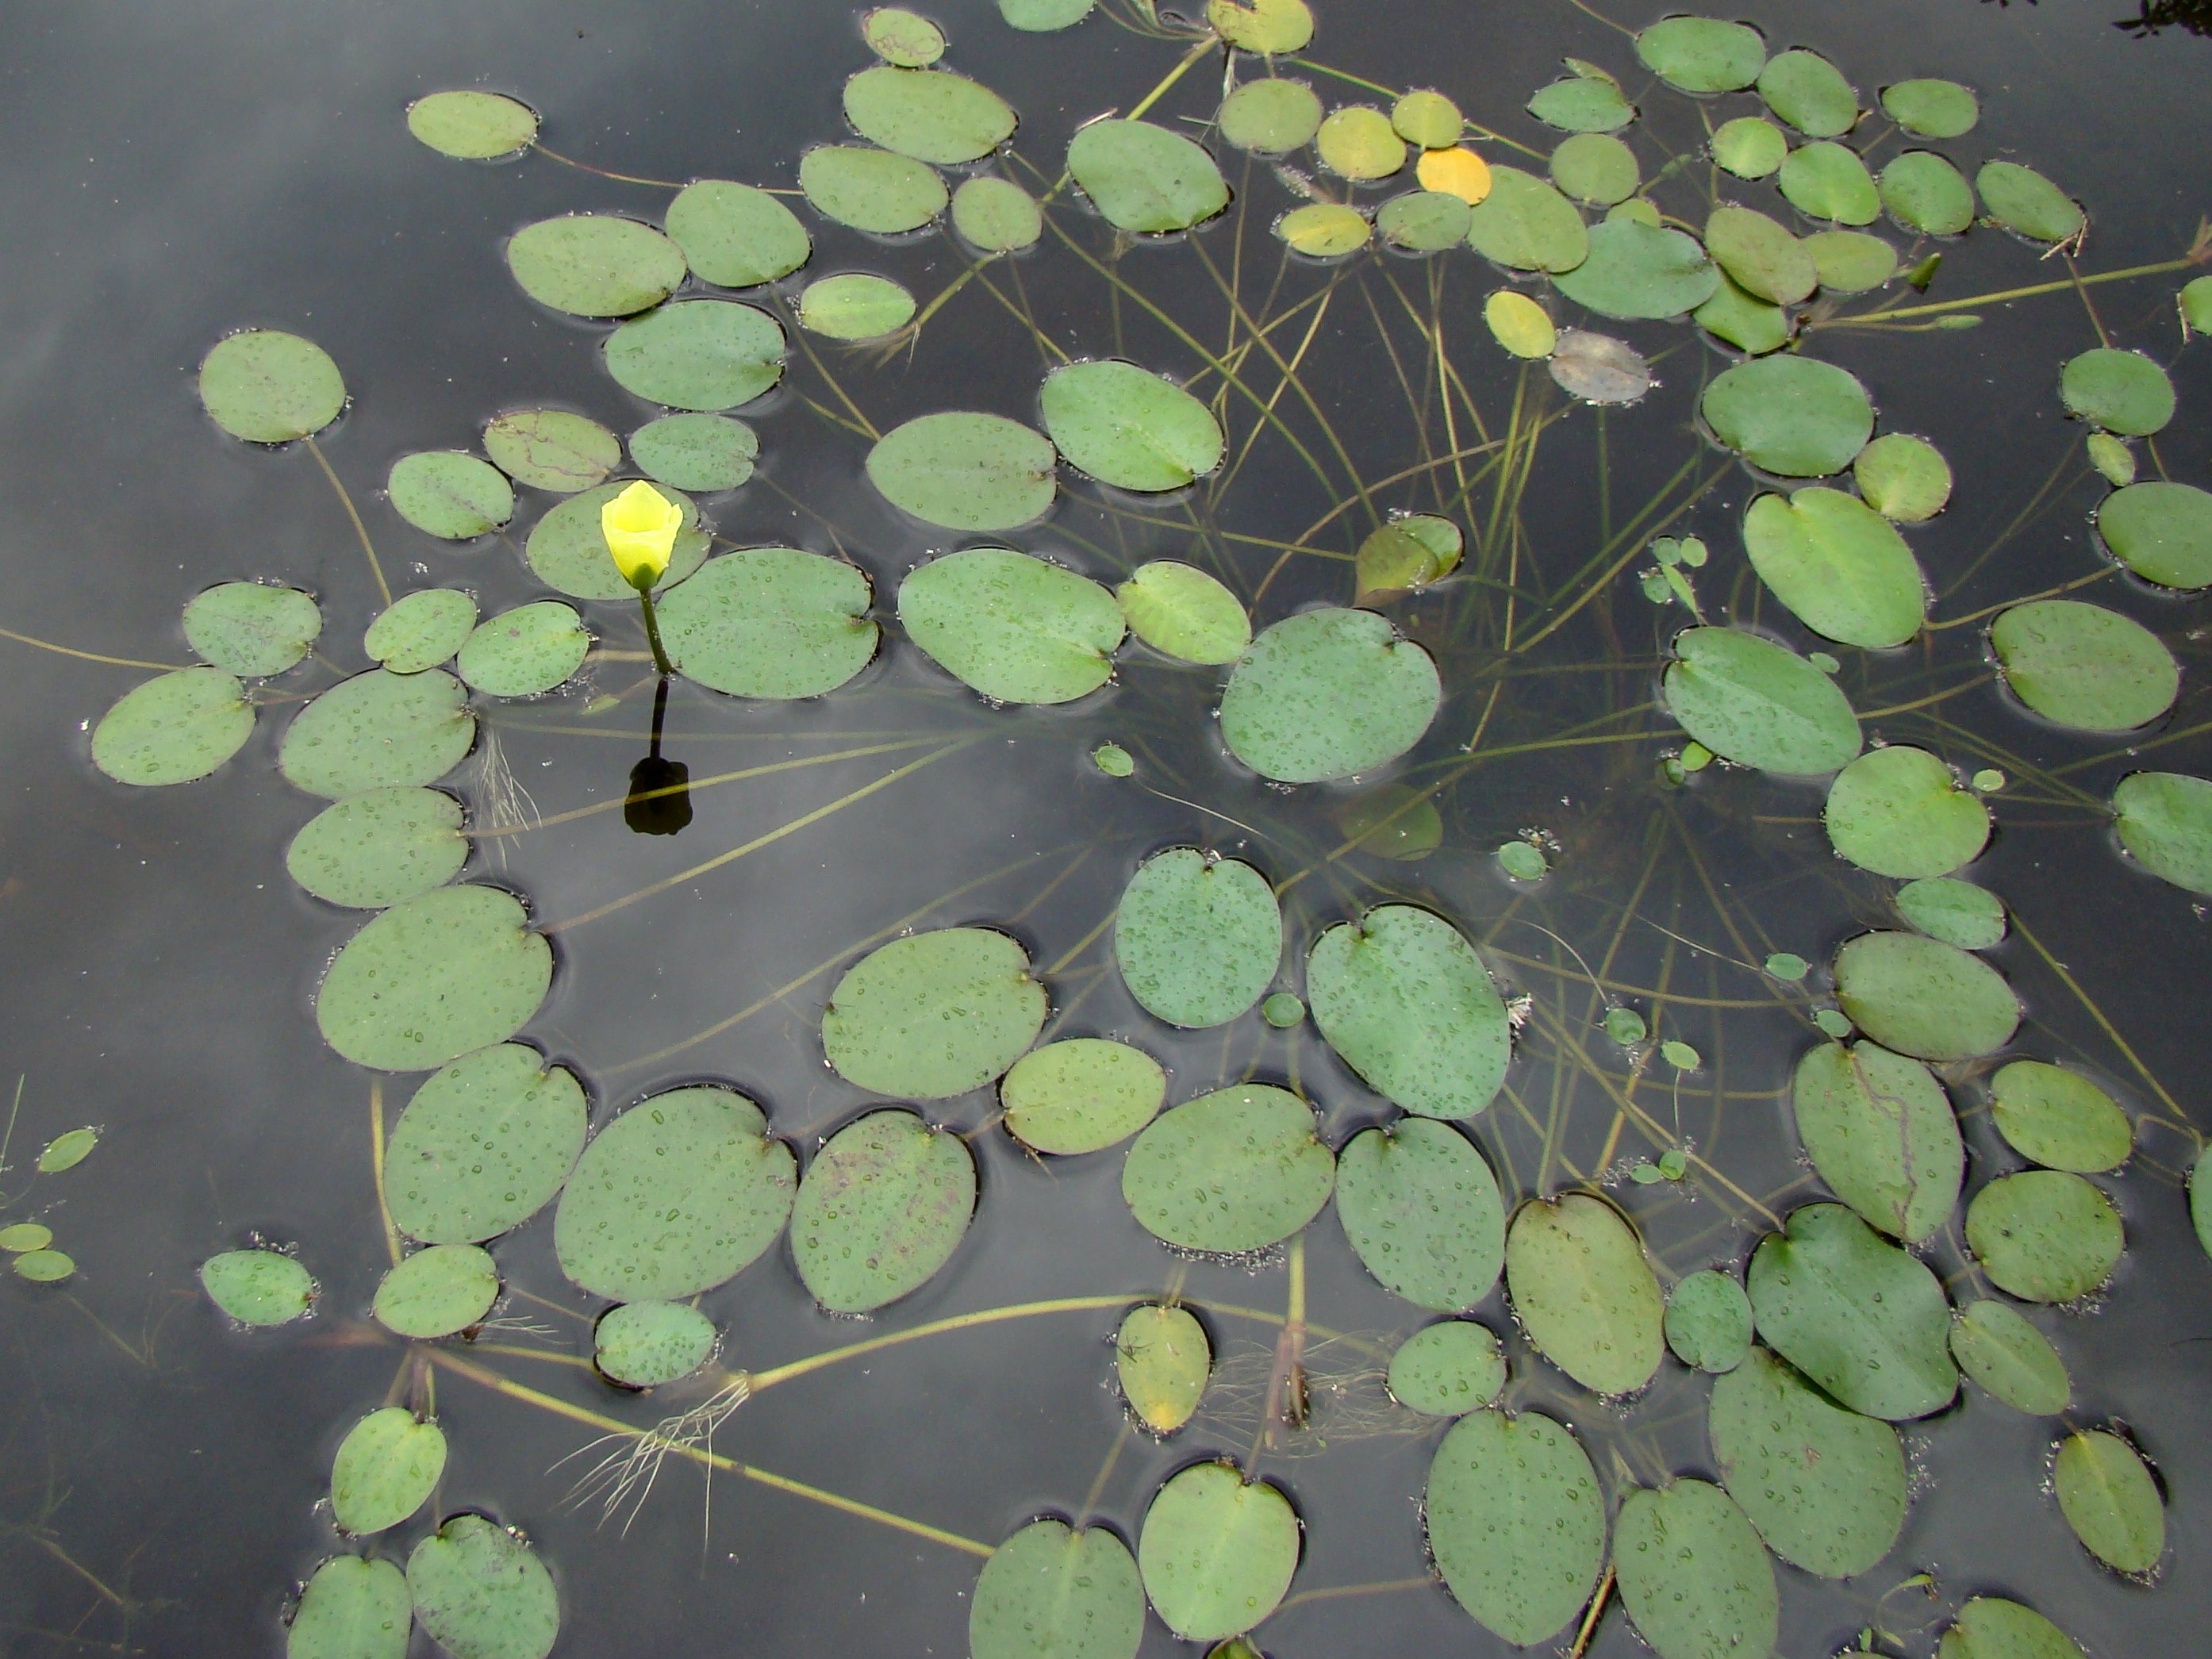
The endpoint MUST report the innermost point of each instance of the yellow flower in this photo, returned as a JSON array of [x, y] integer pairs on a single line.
[[641, 526]]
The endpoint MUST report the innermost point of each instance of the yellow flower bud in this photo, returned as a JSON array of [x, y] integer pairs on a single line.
[[641, 526]]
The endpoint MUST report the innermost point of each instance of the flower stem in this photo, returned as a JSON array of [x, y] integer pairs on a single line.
[[652, 631]]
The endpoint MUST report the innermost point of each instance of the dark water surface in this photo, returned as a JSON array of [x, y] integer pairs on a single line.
[[174, 174]]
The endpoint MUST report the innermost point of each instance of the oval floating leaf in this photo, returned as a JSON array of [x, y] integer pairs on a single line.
[[2160, 530], [2084, 666], [996, 215], [378, 731], [1125, 426], [1693, 1574], [932, 115], [387, 1467], [2165, 820], [1328, 693], [1163, 1360], [698, 355], [735, 235], [1229, 1172], [1903, 477], [1850, 261], [434, 978], [421, 630], [1924, 997], [883, 1205], [2045, 1234], [1899, 812], [1583, 104], [1792, 415], [1359, 143], [1749, 700], [1405, 1001], [1081, 1095], [270, 387], [483, 1145], [251, 628], [1270, 115], [1879, 1129], [2059, 1119], [855, 305], [1523, 223], [696, 451], [175, 729], [257, 1287], [1182, 611], [1266, 26], [1421, 1208], [1750, 147], [1989, 1628], [1516, 1522], [1709, 1322], [375, 849], [1825, 1487], [771, 622], [2025, 202], [1050, 1592], [1217, 1554], [1585, 1291], [1957, 912], [1519, 324], [1635, 271], [353, 1609], [1144, 178], [1328, 230], [646, 1344], [551, 449], [595, 265], [1996, 1345], [1931, 109], [870, 190], [965, 471], [438, 1291], [525, 651], [934, 1015], [472, 126], [1703, 54], [1448, 1369], [1197, 940], [449, 494], [567, 548], [1810, 93], [2110, 1501], [1837, 565], [1016, 628], [1928, 194], [481, 1593], [1763, 257]]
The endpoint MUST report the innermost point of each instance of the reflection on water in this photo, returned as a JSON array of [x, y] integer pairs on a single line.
[[659, 800]]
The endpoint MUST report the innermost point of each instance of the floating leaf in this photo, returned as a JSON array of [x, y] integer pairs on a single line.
[[899, 36], [1081, 1095], [1598, 368], [1145, 178], [1012, 626], [270, 387], [1266, 26], [1448, 1369], [1828, 181], [1327, 694], [353, 1609], [1693, 1574], [931, 115], [1420, 1206], [65, 1151], [1050, 1592], [1181, 610], [472, 126], [434, 978], [1232, 1171], [696, 451], [525, 651], [483, 1145], [1837, 565], [965, 471], [1042, 16], [996, 215], [2110, 1501], [378, 848], [1405, 554], [1865, 1319], [1957, 912], [387, 1467], [855, 305], [1427, 118], [2059, 1119], [1928, 194], [438, 1291], [2165, 821], [1702, 54], [1850, 261], [43, 1266], [1405, 1001], [2160, 530], [257, 1287], [1519, 324], [1709, 1322], [1924, 997], [1217, 1553], [1330, 230], [481, 1593], [1595, 167], [1585, 1291], [2045, 1234], [1903, 477], [1989, 1628], [1525, 224], [1197, 940], [1824, 1487], [1996, 1347], [2025, 202], [1163, 1360], [567, 548], [1581, 104], [1454, 172], [1879, 1131], [1750, 700], [698, 355], [771, 622], [449, 494], [1807, 91], [1931, 109], [175, 729], [1899, 812], [421, 630], [1282, 1010], [378, 731], [2195, 301], [1792, 415], [1270, 117], [1750, 324], [1762, 257], [1125, 426], [1359, 143], [2121, 392], [21, 1237], [1750, 147], [595, 265], [934, 1014], [2084, 666], [735, 235], [883, 1206], [251, 628], [2114, 461], [1516, 1522], [870, 190], [646, 1344], [1634, 271]]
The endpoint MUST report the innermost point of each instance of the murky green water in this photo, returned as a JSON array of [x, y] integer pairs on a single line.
[[165, 1474]]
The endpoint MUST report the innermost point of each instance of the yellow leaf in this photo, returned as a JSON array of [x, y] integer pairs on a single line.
[[1458, 172]]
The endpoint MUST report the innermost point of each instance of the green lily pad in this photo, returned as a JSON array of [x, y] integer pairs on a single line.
[[1752, 326], [2045, 1234], [1879, 1129], [1989, 1628], [1750, 147], [1197, 940], [1266, 26], [2084, 666], [1825, 1487], [771, 622], [1182, 611], [1931, 109], [2195, 302], [567, 548], [696, 451], [1924, 997], [1217, 1553], [1694, 1577], [1709, 1322], [483, 1145], [1862, 1318], [251, 630], [257, 1287], [481, 1593], [677, 1195], [1749, 700], [1125, 426], [735, 235], [2165, 821], [378, 848], [1428, 119], [1448, 1369], [1585, 1291], [353, 1609], [43, 1266], [1904, 478], [1579, 103], [1595, 167], [1162, 1359], [1828, 181], [551, 449], [472, 126], [1359, 143], [434, 978], [595, 265], [855, 305], [1837, 565], [270, 387], [965, 471], [2160, 530], [996, 214], [1328, 230], [1145, 178], [1792, 415], [523, 652], [698, 355], [2059, 1119], [1996, 1345], [1421, 1208], [2114, 461], [1050, 1592], [1957, 912], [885, 1204], [387, 1467], [175, 729], [1810, 93], [1404, 554], [378, 731], [438, 1291], [1927, 194], [899, 36], [2110, 1501], [1703, 54], [1271, 117], [1850, 261], [22, 1237], [1634, 271], [1229, 1172], [421, 630], [934, 1014], [1760, 255], [1899, 812], [932, 115], [2026, 203], [2121, 392], [1405, 1001], [1525, 224], [1081, 1095], [1328, 693], [870, 190], [449, 494], [646, 1344], [1012, 626], [1516, 1522]]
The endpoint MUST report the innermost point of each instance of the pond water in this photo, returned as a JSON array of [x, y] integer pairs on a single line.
[[1659, 931]]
